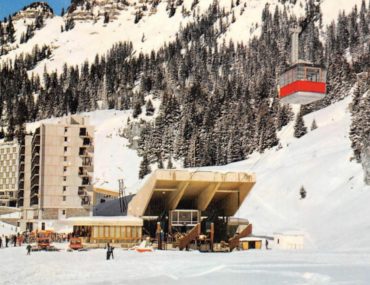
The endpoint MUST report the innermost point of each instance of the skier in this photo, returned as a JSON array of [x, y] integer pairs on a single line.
[[29, 247]]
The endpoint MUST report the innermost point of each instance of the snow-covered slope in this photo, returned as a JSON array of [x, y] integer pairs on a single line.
[[335, 212], [92, 36]]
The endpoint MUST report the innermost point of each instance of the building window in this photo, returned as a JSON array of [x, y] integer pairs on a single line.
[[65, 130], [64, 188], [65, 149], [64, 178], [65, 139], [65, 168], [64, 198], [63, 212], [65, 158]]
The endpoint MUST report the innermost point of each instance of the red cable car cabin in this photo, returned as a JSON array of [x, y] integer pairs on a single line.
[[303, 83]]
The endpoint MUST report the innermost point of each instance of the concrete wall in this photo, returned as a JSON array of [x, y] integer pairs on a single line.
[[289, 241], [9, 159]]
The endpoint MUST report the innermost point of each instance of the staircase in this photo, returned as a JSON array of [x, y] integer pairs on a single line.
[[189, 237], [234, 241]]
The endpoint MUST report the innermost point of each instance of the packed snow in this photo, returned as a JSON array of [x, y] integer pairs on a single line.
[[258, 267]]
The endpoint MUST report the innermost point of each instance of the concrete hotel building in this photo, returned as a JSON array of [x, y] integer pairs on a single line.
[[55, 170], [9, 152]]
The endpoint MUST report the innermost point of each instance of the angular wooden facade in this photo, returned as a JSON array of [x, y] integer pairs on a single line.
[[167, 190]]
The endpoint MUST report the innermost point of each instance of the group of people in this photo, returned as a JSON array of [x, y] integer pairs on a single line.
[[6, 241]]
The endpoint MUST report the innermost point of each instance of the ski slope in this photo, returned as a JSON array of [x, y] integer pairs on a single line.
[[335, 212]]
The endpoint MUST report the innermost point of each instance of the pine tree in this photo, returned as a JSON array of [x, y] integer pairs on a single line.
[[106, 18], [137, 110], [144, 167], [302, 192], [313, 125], [149, 108], [10, 30], [299, 128], [169, 163]]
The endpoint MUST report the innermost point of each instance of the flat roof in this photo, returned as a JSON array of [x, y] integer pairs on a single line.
[[105, 221], [105, 191], [170, 189]]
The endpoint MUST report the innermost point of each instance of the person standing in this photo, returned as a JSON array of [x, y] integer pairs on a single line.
[[29, 247], [108, 251], [111, 252], [1, 242], [6, 241], [267, 244]]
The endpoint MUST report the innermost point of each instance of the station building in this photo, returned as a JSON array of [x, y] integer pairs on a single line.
[[182, 206]]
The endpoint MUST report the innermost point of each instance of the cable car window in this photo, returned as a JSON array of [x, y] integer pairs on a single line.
[[313, 74], [300, 75]]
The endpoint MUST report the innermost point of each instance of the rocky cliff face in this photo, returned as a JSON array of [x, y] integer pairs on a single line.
[[94, 10], [34, 10]]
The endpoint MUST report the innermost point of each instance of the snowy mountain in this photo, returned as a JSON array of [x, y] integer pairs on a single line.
[[91, 35]]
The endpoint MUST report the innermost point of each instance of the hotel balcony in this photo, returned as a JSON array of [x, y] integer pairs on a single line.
[[36, 159], [85, 201], [81, 191], [34, 201], [85, 181]]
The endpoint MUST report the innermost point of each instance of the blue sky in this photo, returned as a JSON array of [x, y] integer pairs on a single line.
[[10, 6]]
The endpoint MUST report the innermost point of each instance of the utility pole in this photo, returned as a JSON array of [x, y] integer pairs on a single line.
[[121, 196]]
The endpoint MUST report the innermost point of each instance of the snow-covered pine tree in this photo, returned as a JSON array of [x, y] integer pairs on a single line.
[[313, 125], [299, 128], [144, 167], [302, 192]]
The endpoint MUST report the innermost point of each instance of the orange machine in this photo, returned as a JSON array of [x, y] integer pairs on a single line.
[[75, 244]]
